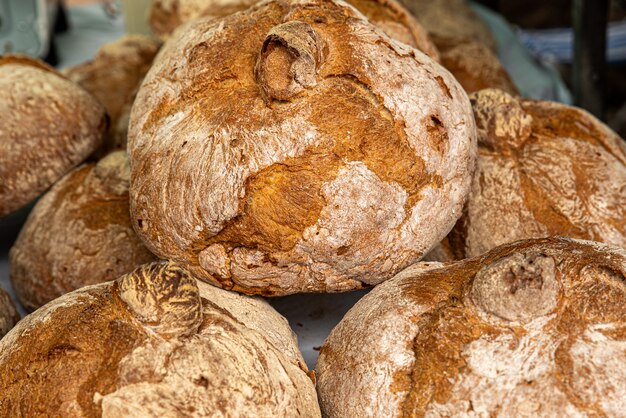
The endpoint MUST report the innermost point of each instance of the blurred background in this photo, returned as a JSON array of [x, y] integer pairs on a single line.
[[552, 50]]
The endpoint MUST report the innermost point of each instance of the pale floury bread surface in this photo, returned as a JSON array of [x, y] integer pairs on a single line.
[[388, 15], [8, 313], [154, 343], [78, 234], [48, 126], [543, 169], [531, 329], [312, 153]]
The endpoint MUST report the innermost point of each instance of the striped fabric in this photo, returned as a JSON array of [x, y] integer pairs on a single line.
[[557, 44]]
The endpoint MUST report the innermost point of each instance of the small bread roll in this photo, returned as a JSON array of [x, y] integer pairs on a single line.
[[316, 155], [48, 126], [154, 343], [78, 234], [388, 15], [8, 313], [543, 169], [113, 77], [531, 329]]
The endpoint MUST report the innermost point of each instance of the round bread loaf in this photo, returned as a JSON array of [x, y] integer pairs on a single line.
[[475, 66], [311, 154], [388, 15], [465, 44], [543, 169], [450, 22], [154, 343], [78, 234], [531, 329], [113, 77], [8, 313], [48, 126]]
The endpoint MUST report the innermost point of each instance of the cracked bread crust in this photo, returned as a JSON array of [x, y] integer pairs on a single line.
[[154, 343], [8, 313], [314, 154], [543, 169], [388, 15], [78, 234], [535, 328], [49, 125]]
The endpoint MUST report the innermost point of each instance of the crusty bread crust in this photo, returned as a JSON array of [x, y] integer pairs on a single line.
[[388, 15], [450, 22], [535, 328], [311, 154], [78, 234], [476, 67], [8, 313], [48, 126], [543, 169], [113, 77], [154, 343]]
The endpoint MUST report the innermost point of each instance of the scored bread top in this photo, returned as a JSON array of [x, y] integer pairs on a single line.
[[154, 343], [311, 153], [534, 328], [543, 169]]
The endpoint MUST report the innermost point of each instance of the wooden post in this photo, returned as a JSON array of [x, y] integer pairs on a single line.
[[589, 66]]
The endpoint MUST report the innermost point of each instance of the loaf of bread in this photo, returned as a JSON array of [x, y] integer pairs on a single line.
[[294, 147], [475, 66], [543, 169], [8, 313], [465, 44], [48, 126], [531, 329], [388, 15], [78, 234], [113, 77], [154, 343], [450, 21], [166, 15]]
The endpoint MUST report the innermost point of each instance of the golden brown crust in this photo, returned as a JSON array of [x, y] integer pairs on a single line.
[[259, 170], [154, 344], [543, 169], [78, 234], [450, 22], [466, 47], [397, 23], [113, 77], [48, 126], [8, 313], [535, 328], [388, 15], [476, 67], [167, 15]]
